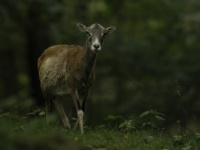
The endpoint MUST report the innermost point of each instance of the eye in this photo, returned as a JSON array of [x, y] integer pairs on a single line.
[[88, 33], [103, 35]]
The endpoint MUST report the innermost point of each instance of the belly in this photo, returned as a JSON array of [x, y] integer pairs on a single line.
[[61, 90]]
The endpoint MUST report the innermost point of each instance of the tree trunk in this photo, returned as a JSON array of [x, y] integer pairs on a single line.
[[8, 74], [37, 41]]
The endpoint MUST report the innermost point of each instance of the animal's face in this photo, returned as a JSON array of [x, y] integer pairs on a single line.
[[95, 35]]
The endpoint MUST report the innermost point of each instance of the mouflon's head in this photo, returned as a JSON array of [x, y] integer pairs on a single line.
[[95, 35]]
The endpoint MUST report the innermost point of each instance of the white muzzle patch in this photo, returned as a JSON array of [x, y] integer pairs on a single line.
[[96, 45]]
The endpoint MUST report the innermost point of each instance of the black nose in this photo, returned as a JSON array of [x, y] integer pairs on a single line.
[[96, 46]]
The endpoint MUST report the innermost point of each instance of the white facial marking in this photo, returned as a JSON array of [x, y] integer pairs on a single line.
[[96, 42], [96, 45]]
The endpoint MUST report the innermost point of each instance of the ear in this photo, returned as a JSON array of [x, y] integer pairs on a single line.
[[110, 29], [81, 27]]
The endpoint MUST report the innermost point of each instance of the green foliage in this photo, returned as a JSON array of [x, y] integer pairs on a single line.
[[112, 117], [186, 140], [127, 125], [151, 118], [39, 136], [37, 112], [197, 135], [34, 133]]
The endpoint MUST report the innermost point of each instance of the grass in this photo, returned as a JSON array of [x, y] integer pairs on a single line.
[[31, 134], [114, 139]]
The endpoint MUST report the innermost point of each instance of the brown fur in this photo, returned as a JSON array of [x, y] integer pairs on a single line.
[[69, 66]]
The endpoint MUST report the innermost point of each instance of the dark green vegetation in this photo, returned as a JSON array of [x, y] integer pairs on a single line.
[[150, 63], [30, 132]]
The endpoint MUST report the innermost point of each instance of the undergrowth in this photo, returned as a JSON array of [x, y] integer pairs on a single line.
[[30, 132]]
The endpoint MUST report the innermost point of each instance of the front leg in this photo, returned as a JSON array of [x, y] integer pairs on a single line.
[[84, 98], [76, 100], [84, 101]]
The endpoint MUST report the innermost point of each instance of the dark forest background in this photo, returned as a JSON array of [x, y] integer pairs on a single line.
[[151, 62]]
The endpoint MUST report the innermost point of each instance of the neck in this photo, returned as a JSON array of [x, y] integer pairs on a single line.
[[89, 58]]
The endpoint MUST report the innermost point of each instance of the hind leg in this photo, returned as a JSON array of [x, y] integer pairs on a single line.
[[76, 124], [47, 103], [59, 107]]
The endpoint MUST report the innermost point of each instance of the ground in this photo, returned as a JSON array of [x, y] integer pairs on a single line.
[[34, 133]]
